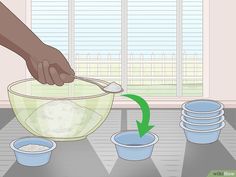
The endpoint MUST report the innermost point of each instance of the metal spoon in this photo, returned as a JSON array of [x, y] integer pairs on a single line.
[[112, 87]]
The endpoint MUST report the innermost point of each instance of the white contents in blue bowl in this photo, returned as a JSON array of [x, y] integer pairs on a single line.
[[33, 148], [32, 151]]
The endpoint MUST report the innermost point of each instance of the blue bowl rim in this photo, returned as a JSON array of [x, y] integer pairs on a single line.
[[203, 112], [156, 139], [12, 145], [202, 131], [203, 124], [202, 118]]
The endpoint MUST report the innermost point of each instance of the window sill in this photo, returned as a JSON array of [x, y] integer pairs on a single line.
[[161, 103]]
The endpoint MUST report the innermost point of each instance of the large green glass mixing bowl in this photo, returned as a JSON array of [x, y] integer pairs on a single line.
[[66, 113]]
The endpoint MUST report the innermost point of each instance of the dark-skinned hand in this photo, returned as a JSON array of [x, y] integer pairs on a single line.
[[49, 66]]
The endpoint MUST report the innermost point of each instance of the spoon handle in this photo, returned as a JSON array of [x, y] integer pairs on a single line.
[[101, 84], [91, 81]]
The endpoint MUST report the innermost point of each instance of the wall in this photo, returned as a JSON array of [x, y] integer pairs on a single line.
[[12, 66], [223, 49], [222, 64]]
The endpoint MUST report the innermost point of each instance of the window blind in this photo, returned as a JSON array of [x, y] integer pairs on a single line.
[[154, 67], [152, 47], [192, 20], [50, 22], [98, 39]]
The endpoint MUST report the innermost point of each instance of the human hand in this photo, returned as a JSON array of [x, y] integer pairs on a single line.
[[49, 66]]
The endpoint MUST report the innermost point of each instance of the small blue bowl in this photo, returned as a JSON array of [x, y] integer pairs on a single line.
[[203, 108], [203, 120], [203, 136], [195, 126], [130, 146], [32, 159]]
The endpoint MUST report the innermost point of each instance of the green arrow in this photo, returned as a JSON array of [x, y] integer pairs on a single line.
[[143, 127]]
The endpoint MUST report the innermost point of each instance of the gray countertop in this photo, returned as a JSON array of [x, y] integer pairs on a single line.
[[96, 156]]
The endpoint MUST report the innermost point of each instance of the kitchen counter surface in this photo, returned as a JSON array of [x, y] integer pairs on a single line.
[[96, 156]]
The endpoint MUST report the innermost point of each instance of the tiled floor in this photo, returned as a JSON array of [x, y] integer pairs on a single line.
[[228, 139], [10, 132], [168, 154], [101, 143], [172, 155]]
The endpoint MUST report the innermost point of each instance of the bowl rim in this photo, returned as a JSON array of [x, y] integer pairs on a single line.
[[203, 124], [10, 90], [156, 139], [12, 145], [202, 131], [202, 112], [203, 118]]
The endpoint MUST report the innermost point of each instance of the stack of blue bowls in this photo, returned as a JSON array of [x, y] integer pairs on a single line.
[[202, 120]]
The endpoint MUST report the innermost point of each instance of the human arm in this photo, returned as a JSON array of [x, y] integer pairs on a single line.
[[45, 63]]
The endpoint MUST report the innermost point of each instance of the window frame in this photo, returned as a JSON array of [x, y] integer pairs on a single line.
[[157, 102]]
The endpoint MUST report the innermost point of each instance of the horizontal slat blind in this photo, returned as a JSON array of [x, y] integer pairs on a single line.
[[152, 47], [50, 22], [192, 47], [151, 40], [98, 38]]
